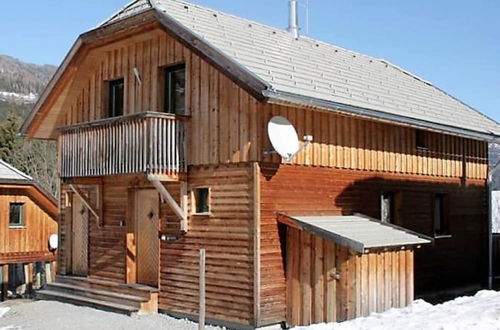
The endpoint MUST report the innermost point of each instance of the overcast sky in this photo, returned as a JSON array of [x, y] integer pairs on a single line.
[[453, 44]]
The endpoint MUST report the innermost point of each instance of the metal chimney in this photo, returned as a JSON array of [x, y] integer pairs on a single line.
[[294, 19]]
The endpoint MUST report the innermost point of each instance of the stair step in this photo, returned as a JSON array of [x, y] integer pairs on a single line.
[[97, 292], [85, 301]]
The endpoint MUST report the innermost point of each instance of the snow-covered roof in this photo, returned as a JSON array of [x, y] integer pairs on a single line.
[[357, 232], [8, 172], [318, 70]]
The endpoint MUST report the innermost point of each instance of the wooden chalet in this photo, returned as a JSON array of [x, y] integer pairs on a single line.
[[28, 219], [160, 114]]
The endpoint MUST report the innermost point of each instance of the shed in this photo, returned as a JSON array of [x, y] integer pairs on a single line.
[[343, 267]]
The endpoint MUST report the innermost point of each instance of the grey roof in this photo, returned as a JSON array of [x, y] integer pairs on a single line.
[[318, 70], [358, 232], [10, 173]]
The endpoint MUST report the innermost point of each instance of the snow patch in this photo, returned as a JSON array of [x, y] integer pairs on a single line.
[[31, 97], [3, 311], [480, 312]]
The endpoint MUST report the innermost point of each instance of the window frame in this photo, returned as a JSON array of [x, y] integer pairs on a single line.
[[392, 198], [420, 140], [195, 198], [111, 108], [22, 215], [444, 231], [169, 104]]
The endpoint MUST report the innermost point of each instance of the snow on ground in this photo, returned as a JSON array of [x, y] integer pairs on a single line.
[[480, 312], [30, 98], [50, 315]]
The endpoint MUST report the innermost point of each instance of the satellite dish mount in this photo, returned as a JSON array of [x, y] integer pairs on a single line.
[[284, 139]]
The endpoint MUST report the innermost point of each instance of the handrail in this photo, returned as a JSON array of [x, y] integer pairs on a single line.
[[115, 120]]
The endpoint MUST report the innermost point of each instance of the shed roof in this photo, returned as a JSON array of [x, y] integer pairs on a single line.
[[320, 71], [10, 173], [357, 232]]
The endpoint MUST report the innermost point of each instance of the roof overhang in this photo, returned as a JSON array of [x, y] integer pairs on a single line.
[[357, 232], [294, 99], [43, 198]]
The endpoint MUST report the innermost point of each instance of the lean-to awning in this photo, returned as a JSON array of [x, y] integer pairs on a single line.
[[357, 232]]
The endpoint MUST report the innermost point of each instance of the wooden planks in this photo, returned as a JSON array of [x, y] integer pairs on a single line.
[[304, 190], [327, 282]]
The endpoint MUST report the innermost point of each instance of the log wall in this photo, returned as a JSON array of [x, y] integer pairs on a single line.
[[306, 190], [327, 282]]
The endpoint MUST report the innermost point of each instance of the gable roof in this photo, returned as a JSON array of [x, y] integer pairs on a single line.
[[310, 72], [12, 177], [320, 71], [356, 232]]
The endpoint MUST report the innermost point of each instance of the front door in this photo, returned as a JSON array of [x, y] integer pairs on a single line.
[[147, 237], [80, 237]]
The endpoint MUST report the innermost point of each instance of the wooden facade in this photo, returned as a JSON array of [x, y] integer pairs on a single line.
[[327, 282], [27, 243], [352, 161]]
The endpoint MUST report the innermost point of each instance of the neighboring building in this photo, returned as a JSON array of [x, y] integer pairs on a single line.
[[160, 115], [28, 219]]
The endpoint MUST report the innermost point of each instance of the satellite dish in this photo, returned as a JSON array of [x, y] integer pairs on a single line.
[[283, 137], [53, 242]]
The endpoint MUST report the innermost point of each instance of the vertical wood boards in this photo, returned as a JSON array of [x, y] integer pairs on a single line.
[[229, 126], [32, 238], [310, 262], [80, 238], [305, 190]]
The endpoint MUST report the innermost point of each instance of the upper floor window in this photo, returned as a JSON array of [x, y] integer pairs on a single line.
[[421, 139], [116, 97], [440, 216], [387, 208], [16, 215], [175, 89]]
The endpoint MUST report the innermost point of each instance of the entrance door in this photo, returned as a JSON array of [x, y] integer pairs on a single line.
[[80, 238], [148, 244]]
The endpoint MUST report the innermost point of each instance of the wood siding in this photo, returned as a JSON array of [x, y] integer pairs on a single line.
[[227, 236], [29, 242], [327, 282], [306, 190]]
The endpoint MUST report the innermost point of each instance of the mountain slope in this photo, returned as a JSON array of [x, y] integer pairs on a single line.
[[20, 85]]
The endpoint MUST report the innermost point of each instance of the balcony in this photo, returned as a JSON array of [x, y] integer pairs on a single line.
[[152, 143]]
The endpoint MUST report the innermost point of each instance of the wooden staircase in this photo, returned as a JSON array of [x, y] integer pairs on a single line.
[[126, 299]]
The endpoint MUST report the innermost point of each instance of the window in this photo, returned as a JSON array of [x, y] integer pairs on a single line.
[[116, 97], [421, 139], [175, 89], [440, 216], [202, 200], [16, 215], [387, 208]]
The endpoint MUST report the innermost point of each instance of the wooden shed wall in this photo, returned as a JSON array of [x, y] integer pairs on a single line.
[[32, 238], [327, 282], [306, 190]]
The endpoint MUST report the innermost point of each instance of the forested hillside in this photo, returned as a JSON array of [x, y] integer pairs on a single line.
[[20, 85]]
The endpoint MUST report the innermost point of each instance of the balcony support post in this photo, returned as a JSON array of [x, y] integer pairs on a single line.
[[178, 210]]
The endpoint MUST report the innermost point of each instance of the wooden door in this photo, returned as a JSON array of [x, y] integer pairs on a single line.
[[147, 237], [80, 238]]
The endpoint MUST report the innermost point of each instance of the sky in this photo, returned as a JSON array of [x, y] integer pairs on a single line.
[[453, 44]]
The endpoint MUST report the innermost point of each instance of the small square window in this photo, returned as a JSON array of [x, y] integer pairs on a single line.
[[175, 89], [201, 200], [16, 215], [116, 98], [387, 207]]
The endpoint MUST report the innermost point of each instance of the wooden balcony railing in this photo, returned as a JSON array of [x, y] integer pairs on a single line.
[[149, 142]]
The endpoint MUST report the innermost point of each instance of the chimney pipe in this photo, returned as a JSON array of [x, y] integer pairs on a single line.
[[294, 19]]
